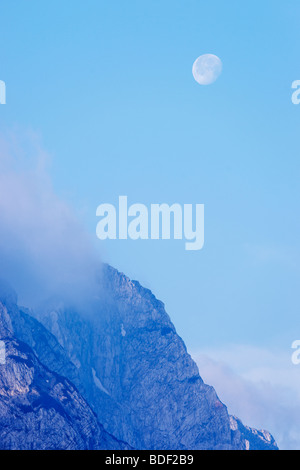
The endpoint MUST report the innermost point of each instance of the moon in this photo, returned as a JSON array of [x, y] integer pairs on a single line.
[[207, 68]]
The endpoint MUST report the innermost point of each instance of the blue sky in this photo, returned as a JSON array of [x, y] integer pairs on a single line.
[[108, 88]]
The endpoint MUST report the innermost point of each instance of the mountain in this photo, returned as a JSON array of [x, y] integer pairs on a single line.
[[40, 409], [134, 370]]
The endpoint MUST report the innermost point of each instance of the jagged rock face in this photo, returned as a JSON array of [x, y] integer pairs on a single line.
[[138, 377], [253, 439], [40, 409], [130, 365]]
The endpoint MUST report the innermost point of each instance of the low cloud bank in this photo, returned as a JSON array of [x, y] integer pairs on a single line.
[[44, 250]]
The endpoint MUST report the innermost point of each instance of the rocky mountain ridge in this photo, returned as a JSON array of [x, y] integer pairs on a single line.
[[40, 409], [132, 369]]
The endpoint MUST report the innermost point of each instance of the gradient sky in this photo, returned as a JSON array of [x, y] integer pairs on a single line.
[[108, 87]]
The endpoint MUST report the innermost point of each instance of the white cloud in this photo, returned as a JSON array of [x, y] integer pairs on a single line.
[[44, 249], [260, 386]]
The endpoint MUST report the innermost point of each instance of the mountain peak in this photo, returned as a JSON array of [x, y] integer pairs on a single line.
[[151, 394]]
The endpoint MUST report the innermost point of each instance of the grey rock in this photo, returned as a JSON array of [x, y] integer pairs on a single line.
[[253, 438], [40, 409], [137, 375]]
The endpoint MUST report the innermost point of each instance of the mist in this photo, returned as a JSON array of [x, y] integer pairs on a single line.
[[45, 251]]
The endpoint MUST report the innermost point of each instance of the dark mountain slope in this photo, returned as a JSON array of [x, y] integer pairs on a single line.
[[138, 377], [40, 409]]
